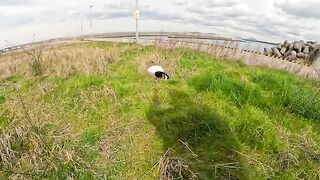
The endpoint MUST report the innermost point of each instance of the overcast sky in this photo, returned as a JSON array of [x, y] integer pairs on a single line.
[[271, 20]]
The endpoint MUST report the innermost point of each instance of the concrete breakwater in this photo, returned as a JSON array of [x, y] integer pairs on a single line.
[[306, 52]]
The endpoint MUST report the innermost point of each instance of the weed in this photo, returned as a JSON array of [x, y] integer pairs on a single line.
[[36, 62]]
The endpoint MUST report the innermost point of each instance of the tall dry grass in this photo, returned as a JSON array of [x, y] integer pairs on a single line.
[[60, 62], [29, 148]]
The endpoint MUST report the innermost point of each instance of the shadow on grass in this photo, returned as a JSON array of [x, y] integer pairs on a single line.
[[197, 136]]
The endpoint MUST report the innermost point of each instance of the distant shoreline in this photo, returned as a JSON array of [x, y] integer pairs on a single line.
[[169, 35]]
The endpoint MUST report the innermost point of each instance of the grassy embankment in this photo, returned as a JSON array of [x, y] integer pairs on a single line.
[[90, 110]]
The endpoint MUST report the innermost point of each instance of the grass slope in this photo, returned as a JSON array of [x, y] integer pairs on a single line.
[[213, 120]]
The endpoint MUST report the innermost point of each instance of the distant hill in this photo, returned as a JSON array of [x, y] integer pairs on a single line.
[[250, 39]]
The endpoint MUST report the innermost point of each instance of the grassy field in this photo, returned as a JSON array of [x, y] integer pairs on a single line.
[[91, 111]]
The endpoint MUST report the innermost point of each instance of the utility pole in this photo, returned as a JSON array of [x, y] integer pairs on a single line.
[[33, 38], [81, 30], [137, 16], [91, 28]]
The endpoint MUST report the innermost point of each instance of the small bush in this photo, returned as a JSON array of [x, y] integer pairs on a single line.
[[36, 62]]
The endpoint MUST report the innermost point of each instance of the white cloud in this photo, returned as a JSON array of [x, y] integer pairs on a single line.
[[272, 20], [180, 2], [301, 9]]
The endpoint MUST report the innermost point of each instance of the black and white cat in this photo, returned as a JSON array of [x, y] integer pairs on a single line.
[[158, 72]]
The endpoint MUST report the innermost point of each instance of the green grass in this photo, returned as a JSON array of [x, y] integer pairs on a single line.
[[221, 120]]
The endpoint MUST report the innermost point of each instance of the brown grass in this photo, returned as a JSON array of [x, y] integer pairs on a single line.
[[298, 147], [171, 167], [162, 58], [28, 147], [145, 61], [60, 62]]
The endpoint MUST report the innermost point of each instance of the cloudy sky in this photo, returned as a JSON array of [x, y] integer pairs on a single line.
[[272, 20]]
